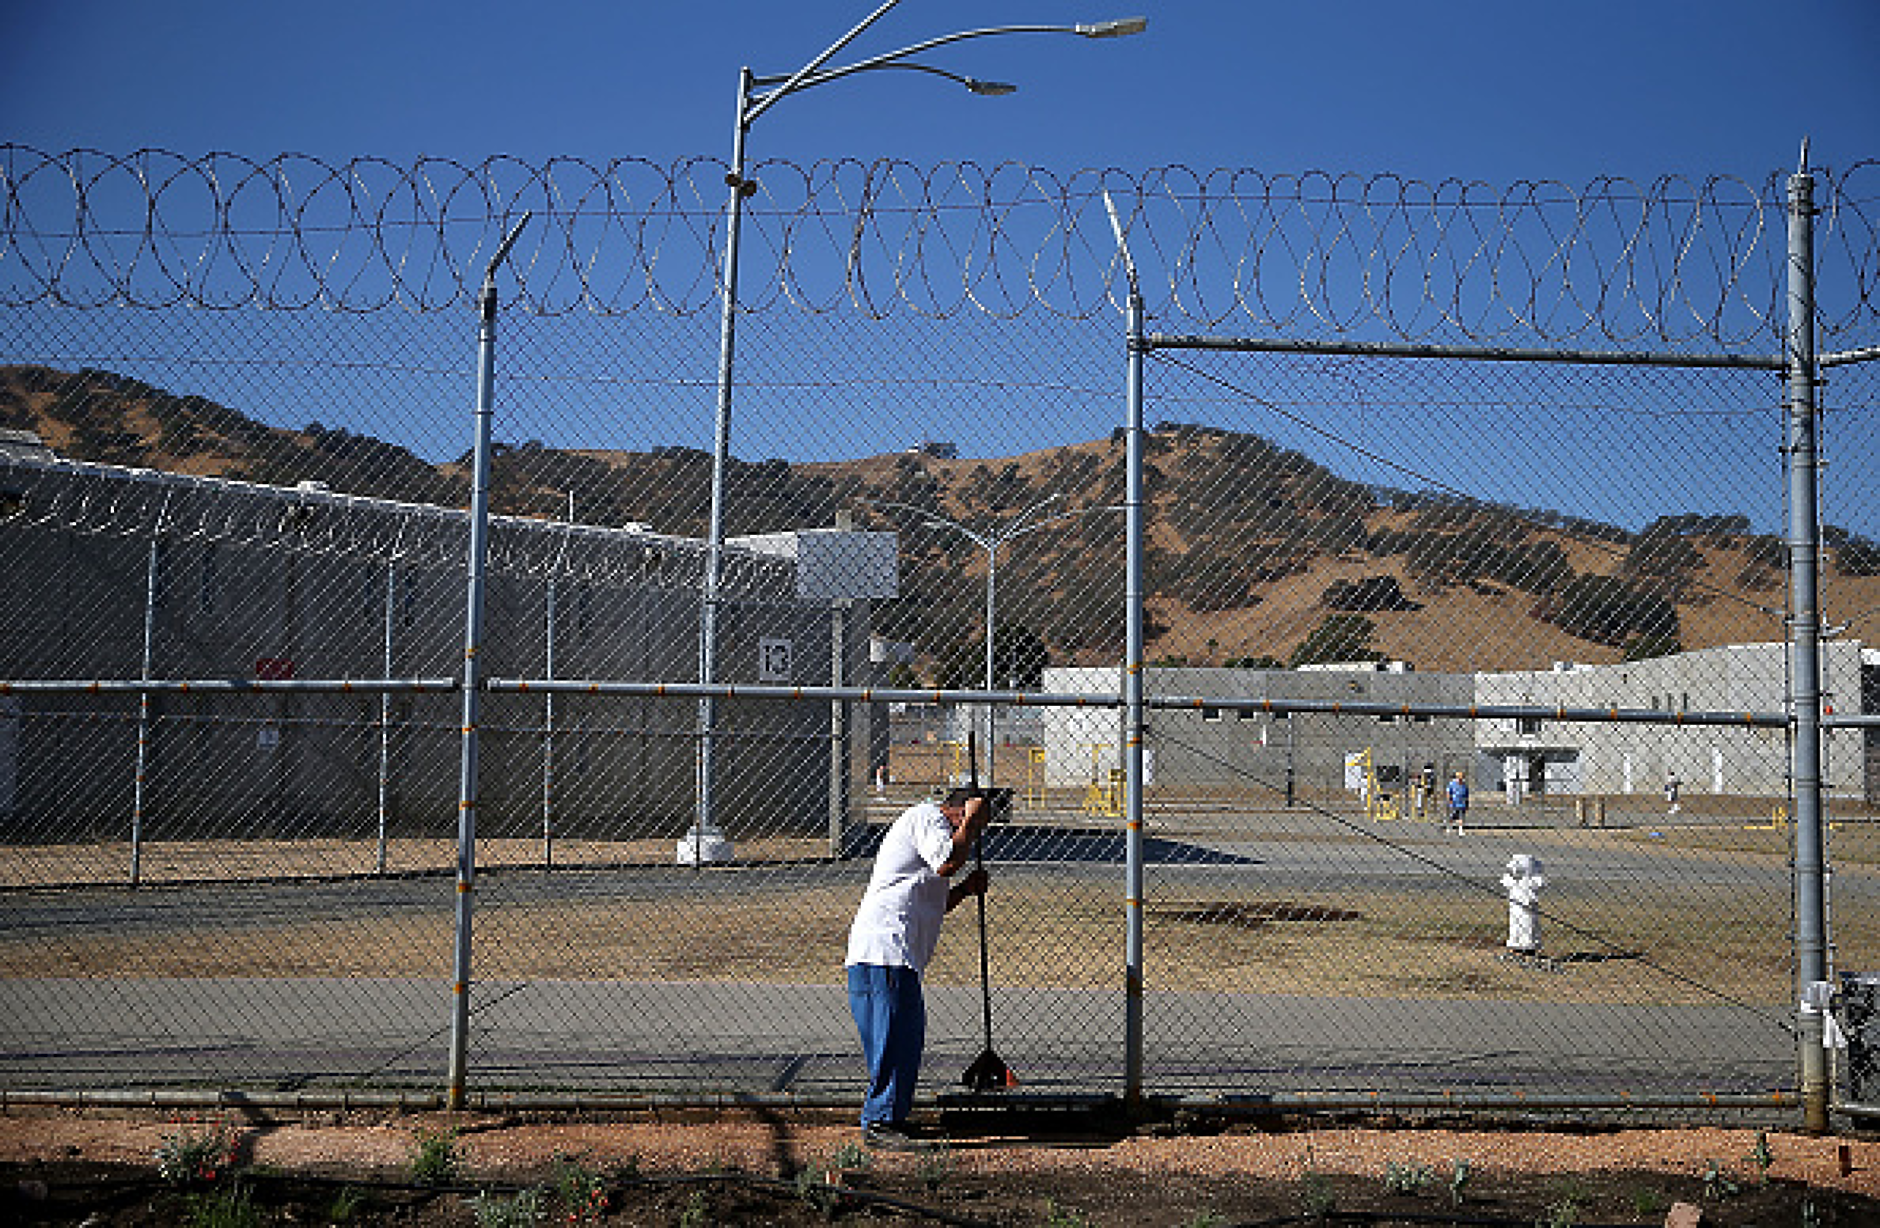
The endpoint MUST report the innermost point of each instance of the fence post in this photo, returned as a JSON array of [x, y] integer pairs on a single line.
[[840, 611], [471, 682], [1133, 715], [1133, 726], [1804, 644], [143, 708], [385, 711], [548, 699]]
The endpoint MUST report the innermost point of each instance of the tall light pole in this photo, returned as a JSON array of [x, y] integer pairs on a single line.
[[757, 95], [1026, 521]]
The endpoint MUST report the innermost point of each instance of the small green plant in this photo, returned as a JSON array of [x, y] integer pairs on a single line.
[[1811, 1218], [1562, 1214], [580, 1195], [851, 1155], [1460, 1174], [1762, 1157], [229, 1207], [435, 1159], [1407, 1178], [346, 1204], [523, 1209], [1717, 1183], [1649, 1202], [1316, 1196], [1570, 1199], [816, 1194], [694, 1215], [196, 1157], [1208, 1219], [1062, 1217], [936, 1166]]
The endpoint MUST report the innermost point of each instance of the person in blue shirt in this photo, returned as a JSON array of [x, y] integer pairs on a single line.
[[1458, 803]]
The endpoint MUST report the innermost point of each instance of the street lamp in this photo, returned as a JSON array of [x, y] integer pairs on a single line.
[[1026, 521], [757, 95]]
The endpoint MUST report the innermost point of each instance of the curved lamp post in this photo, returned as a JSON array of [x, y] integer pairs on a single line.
[[1026, 521], [757, 95]]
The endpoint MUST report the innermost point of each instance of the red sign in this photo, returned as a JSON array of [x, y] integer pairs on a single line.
[[274, 669]]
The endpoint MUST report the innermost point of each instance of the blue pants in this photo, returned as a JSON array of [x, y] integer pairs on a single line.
[[891, 1017]]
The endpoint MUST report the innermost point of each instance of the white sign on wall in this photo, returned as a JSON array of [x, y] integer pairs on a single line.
[[773, 660], [832, 564]]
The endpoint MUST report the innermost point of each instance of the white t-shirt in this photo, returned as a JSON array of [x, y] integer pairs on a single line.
[[898, 923]]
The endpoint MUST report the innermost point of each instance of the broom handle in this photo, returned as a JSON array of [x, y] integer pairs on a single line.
[[979, 862]]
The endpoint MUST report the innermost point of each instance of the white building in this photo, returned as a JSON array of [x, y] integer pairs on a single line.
[[1211, 747], [1599, 758]]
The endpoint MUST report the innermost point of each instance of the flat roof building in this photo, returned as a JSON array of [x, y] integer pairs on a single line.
[[115, 573]]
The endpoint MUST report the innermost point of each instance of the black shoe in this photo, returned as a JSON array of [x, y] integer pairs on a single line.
[[879, 1136]]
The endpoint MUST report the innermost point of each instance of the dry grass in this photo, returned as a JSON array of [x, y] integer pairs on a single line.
[[1641, 941], [1635, 946], [1854, 841], [107, 864]]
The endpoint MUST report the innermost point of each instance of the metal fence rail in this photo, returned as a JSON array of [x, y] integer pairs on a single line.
[[1229, 555]]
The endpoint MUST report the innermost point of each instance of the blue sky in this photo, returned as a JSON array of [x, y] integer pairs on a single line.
[[1495, 91], [1490, 92]]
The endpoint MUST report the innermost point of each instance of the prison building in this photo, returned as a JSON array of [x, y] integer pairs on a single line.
[[1220, 748], [1547, 756], [1203, 748], [118, 573]]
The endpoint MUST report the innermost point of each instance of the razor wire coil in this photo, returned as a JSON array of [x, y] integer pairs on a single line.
[[1674, 261], [111, 501]]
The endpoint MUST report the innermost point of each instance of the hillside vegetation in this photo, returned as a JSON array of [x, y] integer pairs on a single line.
[[1255, 554]]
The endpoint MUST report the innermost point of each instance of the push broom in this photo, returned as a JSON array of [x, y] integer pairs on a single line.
[[988, 1073]]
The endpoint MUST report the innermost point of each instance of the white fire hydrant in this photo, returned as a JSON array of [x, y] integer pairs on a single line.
[[1523, 882]]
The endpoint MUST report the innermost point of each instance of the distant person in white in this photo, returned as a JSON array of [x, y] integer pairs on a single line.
[[891, 941]]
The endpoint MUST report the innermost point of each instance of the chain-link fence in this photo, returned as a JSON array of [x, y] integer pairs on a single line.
[[1434, 484]]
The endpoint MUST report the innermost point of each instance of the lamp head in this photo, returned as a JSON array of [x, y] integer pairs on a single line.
[[1113, 29], [990, 89]]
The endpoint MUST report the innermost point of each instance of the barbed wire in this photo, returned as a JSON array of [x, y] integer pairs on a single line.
[[107, 500], [1674, 261]]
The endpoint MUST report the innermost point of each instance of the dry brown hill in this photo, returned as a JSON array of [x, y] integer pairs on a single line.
[[113, 419], [1254, 553]]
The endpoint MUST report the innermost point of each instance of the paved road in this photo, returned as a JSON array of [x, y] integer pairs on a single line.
[[689, 1038]]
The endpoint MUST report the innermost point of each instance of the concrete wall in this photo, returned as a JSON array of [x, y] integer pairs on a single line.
[[316, 607]]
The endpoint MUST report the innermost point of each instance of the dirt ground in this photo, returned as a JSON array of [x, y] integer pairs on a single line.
[[99, 1168]]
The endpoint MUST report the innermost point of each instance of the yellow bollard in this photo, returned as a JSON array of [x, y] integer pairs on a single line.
[[1034, 778]]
